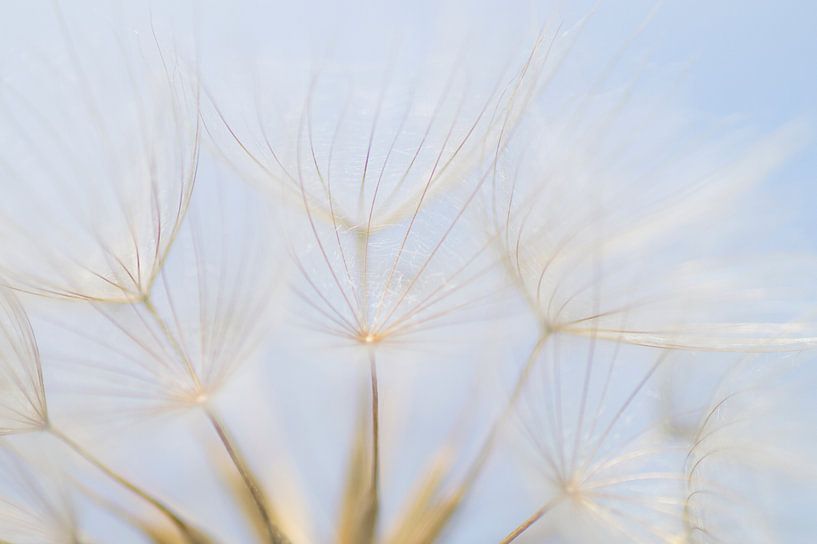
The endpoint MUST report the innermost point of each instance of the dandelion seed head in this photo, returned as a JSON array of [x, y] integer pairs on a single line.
[[602, 457], [110, 187], [206, 316], [479, 185], [621, 255]]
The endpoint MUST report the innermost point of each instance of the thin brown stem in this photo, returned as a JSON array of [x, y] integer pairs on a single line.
[[274, 534], [190, 534], [528, 523], [490, 440]]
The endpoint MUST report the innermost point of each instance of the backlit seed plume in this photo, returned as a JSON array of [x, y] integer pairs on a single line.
[[605, 470], [382, 166], [98, 159], [22, 395], [204, 316], [610, 226]]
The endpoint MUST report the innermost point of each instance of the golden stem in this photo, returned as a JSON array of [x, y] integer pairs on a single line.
[[274, 534], [375, 434], [191, 535], [525, 525]]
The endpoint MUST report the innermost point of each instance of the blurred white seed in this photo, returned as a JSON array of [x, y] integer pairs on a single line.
[[22, 394]]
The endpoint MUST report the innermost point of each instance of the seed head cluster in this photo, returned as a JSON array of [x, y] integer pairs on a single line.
[[440, 278]]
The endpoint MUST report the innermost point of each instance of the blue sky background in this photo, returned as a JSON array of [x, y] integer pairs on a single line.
[[756, 60]]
